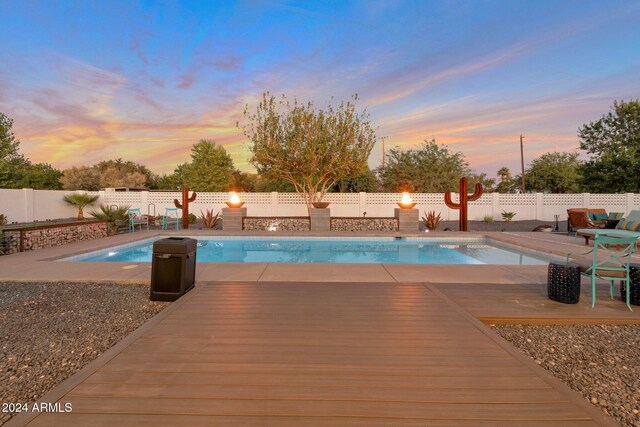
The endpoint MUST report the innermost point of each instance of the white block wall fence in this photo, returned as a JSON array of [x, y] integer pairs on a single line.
[[28, 205]]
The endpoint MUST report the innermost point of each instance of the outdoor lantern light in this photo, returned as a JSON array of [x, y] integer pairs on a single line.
[[406, 202], [234, 201]]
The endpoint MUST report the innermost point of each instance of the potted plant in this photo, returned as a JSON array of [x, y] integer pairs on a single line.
[[80, 200]]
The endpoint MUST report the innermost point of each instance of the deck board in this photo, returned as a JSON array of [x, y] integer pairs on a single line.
[[318, 354], [528, 304]]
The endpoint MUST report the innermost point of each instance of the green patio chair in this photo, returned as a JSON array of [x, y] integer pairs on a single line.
[[170, 217], [136, 218], [611, 261]]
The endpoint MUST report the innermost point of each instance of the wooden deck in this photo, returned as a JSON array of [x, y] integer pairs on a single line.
[[528, 304], [282, 354]]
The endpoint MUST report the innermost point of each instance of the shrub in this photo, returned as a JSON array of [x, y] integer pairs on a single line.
[[488, 219], [3, 219], [209, 219], [431, 220], [192, 218], [116, 216], [508, 216]]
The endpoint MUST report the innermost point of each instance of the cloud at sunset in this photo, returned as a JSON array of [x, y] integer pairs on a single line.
[[471, 76]]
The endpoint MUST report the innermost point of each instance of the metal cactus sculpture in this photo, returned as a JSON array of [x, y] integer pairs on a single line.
[[185, 205], [464, 198]]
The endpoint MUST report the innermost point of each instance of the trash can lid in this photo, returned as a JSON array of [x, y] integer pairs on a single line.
[[177, 245]]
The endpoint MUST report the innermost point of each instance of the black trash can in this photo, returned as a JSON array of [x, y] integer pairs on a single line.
[[173, 268]]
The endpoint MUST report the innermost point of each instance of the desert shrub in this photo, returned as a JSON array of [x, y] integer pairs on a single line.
[[431, 220], [116, 216], [488, 219], [508, 216], [209, 219], [192, 218]]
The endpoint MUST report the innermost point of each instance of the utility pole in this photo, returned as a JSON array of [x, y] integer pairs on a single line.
[[524, 188], [383, 138]]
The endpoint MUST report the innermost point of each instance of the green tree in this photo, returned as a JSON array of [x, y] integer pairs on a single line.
[[42, 176], [12, 163], [109, 174], [174, 181], [266, 185], [554, 173], [613, 144], [210, 169], [244, 181], [308, 147], [81, 178], [121, 173], [507, 182], [428, 169], [488, 184], [366, 182]]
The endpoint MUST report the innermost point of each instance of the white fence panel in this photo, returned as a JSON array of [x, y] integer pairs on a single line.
[[49, 204], [28, 205], [13, 204]]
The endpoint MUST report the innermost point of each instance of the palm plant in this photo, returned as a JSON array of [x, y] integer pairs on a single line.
[[80, 200], [507, 216], [116, 216]]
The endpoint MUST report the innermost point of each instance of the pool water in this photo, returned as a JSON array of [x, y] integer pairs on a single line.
[[334, 250]]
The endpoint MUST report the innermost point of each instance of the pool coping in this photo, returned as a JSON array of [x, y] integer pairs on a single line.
[[43, 265]]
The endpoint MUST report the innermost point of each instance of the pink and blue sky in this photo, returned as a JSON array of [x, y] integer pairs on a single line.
[[87, 81]]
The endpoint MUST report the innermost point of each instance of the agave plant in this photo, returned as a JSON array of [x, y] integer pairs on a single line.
[[116, 216], [209, 219], [431, 220], [80, 200]]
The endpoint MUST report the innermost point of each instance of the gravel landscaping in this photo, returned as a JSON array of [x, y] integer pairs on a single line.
[[602, 362], [51, 330]]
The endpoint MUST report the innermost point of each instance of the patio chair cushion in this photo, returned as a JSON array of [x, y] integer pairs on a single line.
[[597, 216], [584, 263], [615, 216], [628, 225]]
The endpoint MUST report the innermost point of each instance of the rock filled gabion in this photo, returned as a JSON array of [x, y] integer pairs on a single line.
[[277, 224], [364, 224], [39, 238], [337, 224], [9, 243]]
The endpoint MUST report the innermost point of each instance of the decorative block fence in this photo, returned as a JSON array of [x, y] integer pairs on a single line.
[[38, 205]]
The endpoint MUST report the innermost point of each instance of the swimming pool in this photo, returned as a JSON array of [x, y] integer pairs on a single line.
[[331, 250]]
